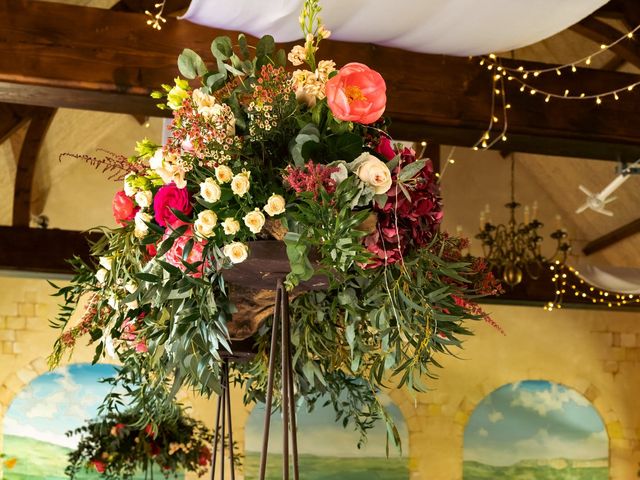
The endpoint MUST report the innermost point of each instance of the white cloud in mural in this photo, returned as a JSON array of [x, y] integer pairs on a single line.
[[483, 432], [545, 401], [542, 446], [48, 408], [14, 427], [495, 416]]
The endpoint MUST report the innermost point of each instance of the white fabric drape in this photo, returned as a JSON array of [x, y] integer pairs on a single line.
[[452, 27], [614, 279]]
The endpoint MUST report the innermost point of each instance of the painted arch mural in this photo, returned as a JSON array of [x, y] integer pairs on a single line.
[[535, 429]]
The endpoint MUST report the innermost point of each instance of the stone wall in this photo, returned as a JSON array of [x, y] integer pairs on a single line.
[[595, 352]]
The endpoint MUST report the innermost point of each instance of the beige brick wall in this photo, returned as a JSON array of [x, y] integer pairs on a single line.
[[594, 352]]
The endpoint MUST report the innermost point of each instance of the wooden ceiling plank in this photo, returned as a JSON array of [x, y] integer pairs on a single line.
[[40, 120], [110, 61]]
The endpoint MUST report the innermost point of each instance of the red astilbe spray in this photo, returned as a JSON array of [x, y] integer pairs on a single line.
[[311, 178]]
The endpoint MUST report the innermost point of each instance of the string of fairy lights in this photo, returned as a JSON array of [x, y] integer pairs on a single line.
[[568, 282], [520, 75]]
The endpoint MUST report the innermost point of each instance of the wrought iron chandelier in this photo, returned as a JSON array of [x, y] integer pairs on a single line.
[[515, 248]]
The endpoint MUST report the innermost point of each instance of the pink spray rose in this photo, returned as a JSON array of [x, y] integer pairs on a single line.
[[174, 254], [170, 197], [124, 209], [357, 94]]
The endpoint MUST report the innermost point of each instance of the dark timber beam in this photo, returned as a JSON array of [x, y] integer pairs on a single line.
[[12, 117], [37, 250], [67, 56], [40, 120], [171, 7], [44, 251], [612, 238], [602, 33]]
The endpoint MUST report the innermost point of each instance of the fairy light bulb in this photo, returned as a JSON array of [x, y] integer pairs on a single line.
[[574, 69], [615, 95], [598, 100], [566, 92], [588, 61], [546, 100]]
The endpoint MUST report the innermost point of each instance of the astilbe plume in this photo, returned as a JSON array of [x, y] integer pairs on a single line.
[[311, 178]]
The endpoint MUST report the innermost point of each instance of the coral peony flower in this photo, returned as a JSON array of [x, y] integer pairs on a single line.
[[170, 197], [357, 94], [124, 209]]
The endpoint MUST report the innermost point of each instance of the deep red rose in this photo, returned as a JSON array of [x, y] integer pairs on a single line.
[[167, 198], [386, 148], [124, 208], [152, 250], [99, 466], [205, 457]]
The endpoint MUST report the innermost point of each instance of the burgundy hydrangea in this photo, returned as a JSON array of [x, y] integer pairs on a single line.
[[405, 223]]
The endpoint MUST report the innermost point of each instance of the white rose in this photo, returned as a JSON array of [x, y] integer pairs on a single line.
[[373, 172], [106, 262], [237, 252], [210, 112], [224, 174], [254, 220], [129, 189], [202, 99], [231, 226], [140, 227], [101, 275], [113, 302], [144, 198], [205, 223], [210, 190], [240, 184], [275, 205]]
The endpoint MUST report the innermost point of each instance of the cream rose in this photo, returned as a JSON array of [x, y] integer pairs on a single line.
[[205, 222], [155, 162], [224, 174], [237, 252], [210, 190], [131, 286], [373, 172], [202, 99], [254, 220], [140, 227], [240, 184], [275, 205], [144, 198], [231, 226]]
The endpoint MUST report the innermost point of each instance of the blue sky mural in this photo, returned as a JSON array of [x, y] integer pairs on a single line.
[[56, 402], [535, 420]]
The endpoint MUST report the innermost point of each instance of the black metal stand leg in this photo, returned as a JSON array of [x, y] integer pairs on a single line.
[[289, 437], [269, 399], [223, 419]]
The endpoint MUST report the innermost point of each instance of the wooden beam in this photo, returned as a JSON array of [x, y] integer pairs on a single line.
[[38, 250], [12, 117], [602, 33], [171, 7], [40, 120], [67, 56], [612, 237], [615, 63]]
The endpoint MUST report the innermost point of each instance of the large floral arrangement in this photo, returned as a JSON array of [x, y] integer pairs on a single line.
[[114, 446], [256, 151]]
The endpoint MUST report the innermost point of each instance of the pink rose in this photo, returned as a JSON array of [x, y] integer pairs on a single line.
[[124, 209], [357, 94], [141, 346], [174, 254], [170, 197]]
